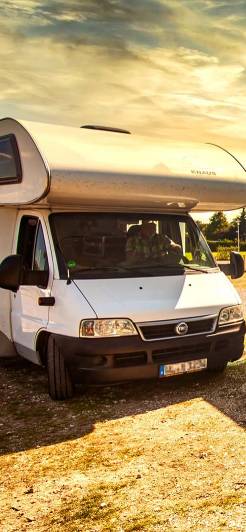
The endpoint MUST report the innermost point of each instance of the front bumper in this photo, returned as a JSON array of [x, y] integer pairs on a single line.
[[131, 358]]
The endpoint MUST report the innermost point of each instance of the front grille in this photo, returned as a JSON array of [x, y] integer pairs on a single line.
[[167, 330], [124, 360], [198, 350]]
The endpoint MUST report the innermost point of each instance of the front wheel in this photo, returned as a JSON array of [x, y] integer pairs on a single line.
[[59, 379], [219, 368]]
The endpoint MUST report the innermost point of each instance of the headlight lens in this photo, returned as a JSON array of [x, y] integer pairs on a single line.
[[107, 327], [230, 314]]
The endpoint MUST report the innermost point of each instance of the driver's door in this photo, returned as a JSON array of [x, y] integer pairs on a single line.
[[28, 316]]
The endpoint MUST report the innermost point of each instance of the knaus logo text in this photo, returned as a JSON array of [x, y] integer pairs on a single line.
[[203, 172]]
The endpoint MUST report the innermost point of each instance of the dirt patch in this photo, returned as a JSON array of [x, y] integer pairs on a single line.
[[148, 456]]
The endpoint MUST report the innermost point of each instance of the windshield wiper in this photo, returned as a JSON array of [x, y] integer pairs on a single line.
[[134, 269], [170, 266], [186, 266], [153, 267]]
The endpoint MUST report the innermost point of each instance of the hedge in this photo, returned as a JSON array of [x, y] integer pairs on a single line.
[[215, 244]]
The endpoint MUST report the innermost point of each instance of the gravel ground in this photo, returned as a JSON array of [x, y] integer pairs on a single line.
[[149, 456]]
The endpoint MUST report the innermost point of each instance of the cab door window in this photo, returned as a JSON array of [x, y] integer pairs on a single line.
[[31, 245]]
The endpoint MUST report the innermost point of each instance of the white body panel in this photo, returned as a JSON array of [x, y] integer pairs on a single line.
[[7, 225], [28, 318], [70, 308], [160, 298], [35, 173], [106, 169], [67, 166]]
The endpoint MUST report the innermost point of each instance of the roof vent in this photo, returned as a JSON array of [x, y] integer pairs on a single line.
[[107, 128]]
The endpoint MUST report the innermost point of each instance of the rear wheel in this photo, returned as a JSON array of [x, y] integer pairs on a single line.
[[59, 379]]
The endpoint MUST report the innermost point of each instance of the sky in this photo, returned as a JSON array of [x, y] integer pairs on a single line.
[[166, 68]]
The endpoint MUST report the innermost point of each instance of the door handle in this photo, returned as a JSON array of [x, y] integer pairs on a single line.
[[46, 301]]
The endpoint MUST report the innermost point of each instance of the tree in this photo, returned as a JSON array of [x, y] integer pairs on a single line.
[[242, 224], [217, 226], [233, 227], [202, 226]]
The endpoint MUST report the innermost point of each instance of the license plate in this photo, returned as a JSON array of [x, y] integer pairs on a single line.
[[166, 370]]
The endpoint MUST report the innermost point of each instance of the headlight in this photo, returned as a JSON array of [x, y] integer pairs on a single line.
[[230, 314], [107, 327]]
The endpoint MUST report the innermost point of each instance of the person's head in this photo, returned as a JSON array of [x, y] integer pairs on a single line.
[[148, 229]]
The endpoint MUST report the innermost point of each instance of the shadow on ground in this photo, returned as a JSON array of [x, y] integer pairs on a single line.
[[30, 419]]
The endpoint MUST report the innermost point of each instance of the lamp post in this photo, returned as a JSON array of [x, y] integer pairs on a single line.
[[238, 236]]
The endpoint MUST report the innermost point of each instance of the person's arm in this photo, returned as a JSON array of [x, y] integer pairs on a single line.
[[171, 245]]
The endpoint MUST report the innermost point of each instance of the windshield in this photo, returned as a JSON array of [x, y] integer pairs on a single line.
[[106, 245]]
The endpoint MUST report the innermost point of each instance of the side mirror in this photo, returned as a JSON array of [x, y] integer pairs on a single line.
[[10, 272], [13, 274], [236, 265]]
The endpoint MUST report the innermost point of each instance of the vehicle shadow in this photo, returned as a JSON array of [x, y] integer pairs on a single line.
[[30, 419]]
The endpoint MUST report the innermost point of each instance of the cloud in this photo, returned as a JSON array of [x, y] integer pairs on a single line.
[[162, 67], [95, 18]]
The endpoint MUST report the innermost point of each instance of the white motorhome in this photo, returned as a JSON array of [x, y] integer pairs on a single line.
[[108, 278]]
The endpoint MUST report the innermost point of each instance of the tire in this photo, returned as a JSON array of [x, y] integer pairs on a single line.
[[59, 380], [220, 368]]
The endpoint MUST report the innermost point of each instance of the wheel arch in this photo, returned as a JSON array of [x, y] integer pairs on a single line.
[[41, 346]]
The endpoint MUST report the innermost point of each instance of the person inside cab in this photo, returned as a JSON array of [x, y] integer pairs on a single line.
[[144, 244]]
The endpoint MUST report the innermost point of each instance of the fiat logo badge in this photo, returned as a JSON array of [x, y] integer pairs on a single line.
[[181, 328]]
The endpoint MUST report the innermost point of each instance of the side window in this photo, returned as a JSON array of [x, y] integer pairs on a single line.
[[10, 165], [26, 240], [31, 245], [40, 259]]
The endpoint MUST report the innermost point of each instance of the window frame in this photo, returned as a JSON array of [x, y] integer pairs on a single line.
[[18, 178]]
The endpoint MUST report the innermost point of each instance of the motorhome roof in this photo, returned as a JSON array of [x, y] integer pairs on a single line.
[[68, 166]]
